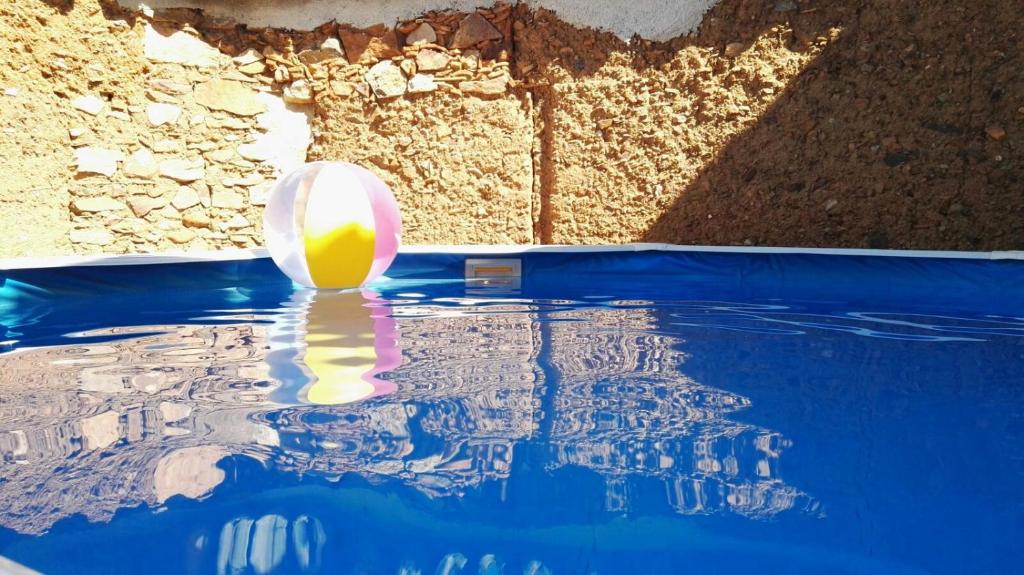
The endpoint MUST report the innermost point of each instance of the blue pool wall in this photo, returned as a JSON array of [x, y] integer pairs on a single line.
[[968, 284]]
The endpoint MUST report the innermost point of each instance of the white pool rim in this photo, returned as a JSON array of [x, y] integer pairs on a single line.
[[251, 254]]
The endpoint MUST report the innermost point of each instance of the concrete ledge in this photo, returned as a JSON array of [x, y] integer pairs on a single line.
[[652, 19]]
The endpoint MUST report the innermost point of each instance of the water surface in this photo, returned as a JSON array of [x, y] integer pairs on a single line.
[[555, 427]]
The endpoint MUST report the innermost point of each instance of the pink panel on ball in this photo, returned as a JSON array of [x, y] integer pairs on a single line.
[[385, 343], [387, 221]]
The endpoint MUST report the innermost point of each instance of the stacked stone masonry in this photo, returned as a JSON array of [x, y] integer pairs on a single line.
[[854, 124]]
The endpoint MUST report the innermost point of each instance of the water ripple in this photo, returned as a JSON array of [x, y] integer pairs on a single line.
[[441, 395]]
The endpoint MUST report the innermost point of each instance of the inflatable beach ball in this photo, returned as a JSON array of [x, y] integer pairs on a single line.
[[332, 225]]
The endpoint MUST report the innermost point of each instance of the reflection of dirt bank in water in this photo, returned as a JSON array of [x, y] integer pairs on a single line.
[[839, 123], [90, 429]]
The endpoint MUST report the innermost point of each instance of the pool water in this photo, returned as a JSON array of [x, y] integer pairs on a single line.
[[779, 416]]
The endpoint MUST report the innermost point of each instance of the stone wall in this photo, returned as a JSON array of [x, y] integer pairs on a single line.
[[461, 167], [144, 136], [855, 124]]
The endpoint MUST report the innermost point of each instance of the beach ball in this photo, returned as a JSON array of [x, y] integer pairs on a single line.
[[332, 225]]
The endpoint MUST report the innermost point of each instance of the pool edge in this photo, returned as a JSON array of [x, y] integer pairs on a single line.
[[502, 249]]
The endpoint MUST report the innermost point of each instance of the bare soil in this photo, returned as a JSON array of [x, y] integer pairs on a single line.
[[865, 123]]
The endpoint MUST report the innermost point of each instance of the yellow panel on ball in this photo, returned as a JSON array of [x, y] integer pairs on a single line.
[[338, 233]]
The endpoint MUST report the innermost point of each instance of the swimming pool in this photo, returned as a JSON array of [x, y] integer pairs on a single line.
[[599, 412]]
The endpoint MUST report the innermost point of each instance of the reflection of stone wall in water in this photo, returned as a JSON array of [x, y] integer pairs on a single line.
[[141, 419], [469, 379], [93, 428], [621, 408]]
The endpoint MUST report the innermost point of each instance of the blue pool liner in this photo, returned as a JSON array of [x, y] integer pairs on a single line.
[[966, 284]]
